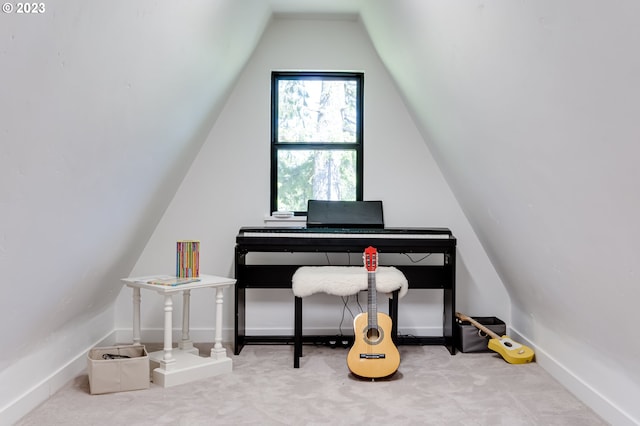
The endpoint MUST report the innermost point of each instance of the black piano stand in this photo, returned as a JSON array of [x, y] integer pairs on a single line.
[[298, 337]]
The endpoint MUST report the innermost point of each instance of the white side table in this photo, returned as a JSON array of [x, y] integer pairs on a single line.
[[171, 367]]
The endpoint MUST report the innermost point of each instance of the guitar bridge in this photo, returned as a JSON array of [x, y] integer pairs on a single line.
[[372, 356]]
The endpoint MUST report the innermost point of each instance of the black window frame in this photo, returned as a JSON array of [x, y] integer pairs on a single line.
[[356, 146]]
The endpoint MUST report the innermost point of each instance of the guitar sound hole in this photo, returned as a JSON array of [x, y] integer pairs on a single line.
[[372, 336], [508, 344]]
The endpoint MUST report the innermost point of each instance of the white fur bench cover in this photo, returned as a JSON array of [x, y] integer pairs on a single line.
[[346, 280]]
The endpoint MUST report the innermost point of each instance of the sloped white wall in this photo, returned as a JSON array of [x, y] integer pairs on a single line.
[[528, 107], [531, 109], [103, 106], [228, 186]]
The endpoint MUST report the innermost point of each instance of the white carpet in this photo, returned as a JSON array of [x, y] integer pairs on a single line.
[[430, 388]]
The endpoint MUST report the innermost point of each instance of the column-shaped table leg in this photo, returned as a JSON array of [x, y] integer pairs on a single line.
[[168, 328], [186, 344], [136, 315], [218, 351]]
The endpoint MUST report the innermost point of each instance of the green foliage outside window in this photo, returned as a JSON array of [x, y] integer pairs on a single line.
[[316, 138]]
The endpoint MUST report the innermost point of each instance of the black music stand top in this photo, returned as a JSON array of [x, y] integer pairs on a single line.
[[345, 214]]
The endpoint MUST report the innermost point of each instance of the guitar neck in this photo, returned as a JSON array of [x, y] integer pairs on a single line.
[[372, 305]]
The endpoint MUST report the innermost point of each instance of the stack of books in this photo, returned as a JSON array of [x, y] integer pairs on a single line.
[[168, 280], [188, 259]]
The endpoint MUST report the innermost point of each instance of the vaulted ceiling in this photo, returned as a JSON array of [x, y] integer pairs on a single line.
[[529, 107]]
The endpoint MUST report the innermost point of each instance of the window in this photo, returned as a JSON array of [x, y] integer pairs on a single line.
[[316, 138]]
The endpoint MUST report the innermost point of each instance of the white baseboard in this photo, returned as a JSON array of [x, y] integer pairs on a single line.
[[435, 331], [40, 392], [199, 335], [156, 335], [605, 408]]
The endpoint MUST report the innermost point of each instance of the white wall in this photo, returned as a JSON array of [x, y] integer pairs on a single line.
[[228, 187], [103, 106], [531, 110]]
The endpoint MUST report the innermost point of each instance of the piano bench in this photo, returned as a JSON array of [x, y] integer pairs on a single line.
[[343, 281]]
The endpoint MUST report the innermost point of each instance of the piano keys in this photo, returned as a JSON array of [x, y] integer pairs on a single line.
[[341, 233], [345, 239]]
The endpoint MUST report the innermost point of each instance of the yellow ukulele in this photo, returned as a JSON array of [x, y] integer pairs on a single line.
[[373, 354], [512, 352]]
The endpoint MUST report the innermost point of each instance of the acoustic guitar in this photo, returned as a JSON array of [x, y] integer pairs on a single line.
[[512, 352], [373, 354]]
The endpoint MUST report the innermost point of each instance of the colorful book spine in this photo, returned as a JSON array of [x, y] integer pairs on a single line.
[[188, 259]]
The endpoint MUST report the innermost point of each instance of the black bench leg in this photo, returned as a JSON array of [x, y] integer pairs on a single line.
[[297, 339]]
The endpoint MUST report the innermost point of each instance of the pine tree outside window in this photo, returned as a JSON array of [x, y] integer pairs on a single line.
[[316, 138]]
